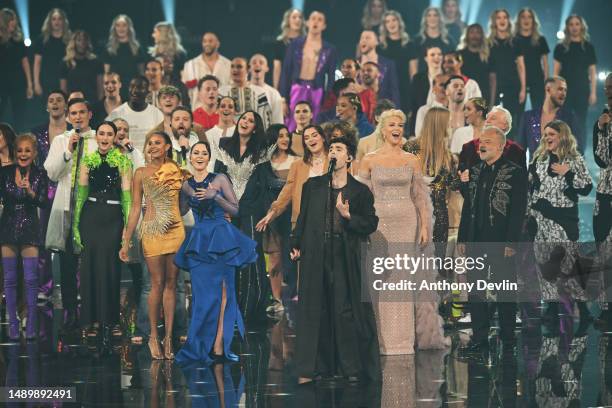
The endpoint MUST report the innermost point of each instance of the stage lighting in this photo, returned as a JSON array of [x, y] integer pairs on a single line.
[[22, 12], [298, 4], [560, 35], [602, 75], [168, 6]]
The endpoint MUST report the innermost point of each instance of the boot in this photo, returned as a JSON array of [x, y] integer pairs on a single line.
[[106, 347], [9, 266], [30, 274]]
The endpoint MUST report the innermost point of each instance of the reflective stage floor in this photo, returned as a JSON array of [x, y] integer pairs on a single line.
[[557, 364]]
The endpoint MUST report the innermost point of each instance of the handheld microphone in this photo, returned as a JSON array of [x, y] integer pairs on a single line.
[[78, 132], [23, 171], [184, 152], [128, 146], [332, 165]]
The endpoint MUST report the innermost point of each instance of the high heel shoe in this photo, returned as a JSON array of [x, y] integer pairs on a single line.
[[168, 353], [155, 348]]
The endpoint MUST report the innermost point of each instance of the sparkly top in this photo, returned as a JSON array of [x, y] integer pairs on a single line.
[[105, 180]]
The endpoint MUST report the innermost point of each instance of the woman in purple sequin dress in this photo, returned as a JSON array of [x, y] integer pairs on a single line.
[[23, 189]]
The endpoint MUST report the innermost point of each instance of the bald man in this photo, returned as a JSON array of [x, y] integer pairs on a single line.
[[209, 62]]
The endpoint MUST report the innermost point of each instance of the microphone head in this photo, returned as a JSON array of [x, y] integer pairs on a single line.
[[77, 130], [22, 171], [606, 108]]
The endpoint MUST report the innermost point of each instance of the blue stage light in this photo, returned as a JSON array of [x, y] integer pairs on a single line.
[[21, 6], [168, 7]]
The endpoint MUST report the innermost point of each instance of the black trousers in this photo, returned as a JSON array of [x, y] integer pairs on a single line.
[[483, 309], [69, 264], [338, 351]]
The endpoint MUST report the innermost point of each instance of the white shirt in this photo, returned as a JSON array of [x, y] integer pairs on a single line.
[[140, 123], [60, 171], [196, 68], [178, 155], [214, 136], [471, 90], [276, 103], [250, 97], [136, 157], [460, 137], [420, 116]]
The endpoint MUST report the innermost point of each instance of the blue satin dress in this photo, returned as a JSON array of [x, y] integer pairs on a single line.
[[211, 253]]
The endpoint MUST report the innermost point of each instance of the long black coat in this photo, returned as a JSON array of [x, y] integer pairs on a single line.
[[308, 236]]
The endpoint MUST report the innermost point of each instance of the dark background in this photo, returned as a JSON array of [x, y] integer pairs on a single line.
[[249, 26]]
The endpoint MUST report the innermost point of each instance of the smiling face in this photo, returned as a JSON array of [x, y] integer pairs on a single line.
[[552, 139], [56, 105], [471, 113], [558, 93], [138, 90], [313, 140], [26, 153], [393, 130], [283, 140], [369, 74], [451, 65], [112, 85], [348, 68], [246, 124], [433, 58], [154, 72], [157, 148], [210, 44], [105, 137], [200, 157], [345, 110], [227, 108]]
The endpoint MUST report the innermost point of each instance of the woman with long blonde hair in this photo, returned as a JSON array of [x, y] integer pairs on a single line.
[[15, 67], [49, 51], [451, 14], [509, 87], [123, 53], [575, 60], [292, 26], [534, 48], [82, 70], [432, 33], [558, 174], [168, 47]]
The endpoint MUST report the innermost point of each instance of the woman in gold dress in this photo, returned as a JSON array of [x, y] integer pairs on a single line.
[[161, 233]]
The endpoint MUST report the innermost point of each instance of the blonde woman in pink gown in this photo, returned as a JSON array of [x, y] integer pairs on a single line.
[[403, 205]]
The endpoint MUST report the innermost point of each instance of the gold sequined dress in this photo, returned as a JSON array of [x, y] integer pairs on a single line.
[[161, 230]]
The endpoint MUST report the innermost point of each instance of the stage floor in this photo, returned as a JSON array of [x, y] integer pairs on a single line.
[[562, 364]]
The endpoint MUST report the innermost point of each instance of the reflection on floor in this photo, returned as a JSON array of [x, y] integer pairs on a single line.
[[554, 364]]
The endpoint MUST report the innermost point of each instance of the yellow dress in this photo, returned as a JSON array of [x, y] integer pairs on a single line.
[[161, 230]]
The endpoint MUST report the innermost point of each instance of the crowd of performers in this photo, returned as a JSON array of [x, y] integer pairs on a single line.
[[265, 194]]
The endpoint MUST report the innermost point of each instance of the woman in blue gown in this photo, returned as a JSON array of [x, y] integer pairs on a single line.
[[211, 253]]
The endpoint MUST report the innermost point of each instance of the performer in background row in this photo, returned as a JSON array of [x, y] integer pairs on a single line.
[[336, 331]]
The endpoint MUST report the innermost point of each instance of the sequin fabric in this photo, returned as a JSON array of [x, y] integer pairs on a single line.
[[19, 224]]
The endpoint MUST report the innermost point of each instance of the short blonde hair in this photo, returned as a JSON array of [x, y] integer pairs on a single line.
[[382, 121]]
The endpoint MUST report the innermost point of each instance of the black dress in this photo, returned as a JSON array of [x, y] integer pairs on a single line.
[[13, 82], [478, 70], [575, 63], [420, 45], [124, 63], [401, 55], [533, 66], [504, 54], [83, 77], [52, 52], [101, 226]]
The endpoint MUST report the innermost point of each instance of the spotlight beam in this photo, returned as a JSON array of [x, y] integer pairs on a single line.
[[168, 7], [24, 19], [566, 10]]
